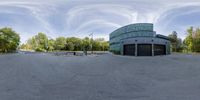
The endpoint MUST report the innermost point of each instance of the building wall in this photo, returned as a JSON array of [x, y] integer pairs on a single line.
[[145, 40], [136, 33]]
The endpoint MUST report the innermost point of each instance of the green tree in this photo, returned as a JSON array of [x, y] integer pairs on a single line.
[[173, 40], [189, 39], [25, 47], [31, 43], [86, 44], [41, 40], [77, 43], [192, 40], [69, 46], [176, 43], [60, 43], [96, 45], [9, 40], [38, 42], [196, 40], [101, 45], [105, 46], [51, 44]]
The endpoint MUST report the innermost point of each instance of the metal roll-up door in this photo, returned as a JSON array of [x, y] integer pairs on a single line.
[[144, 49], [159, 49], [129, 49]]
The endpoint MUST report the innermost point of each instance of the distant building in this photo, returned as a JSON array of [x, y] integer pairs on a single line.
[[139, 40]]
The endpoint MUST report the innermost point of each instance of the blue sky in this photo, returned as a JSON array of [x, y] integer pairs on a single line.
[[79, 18]]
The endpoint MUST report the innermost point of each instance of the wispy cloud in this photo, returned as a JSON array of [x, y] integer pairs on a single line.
[[178, 17], [81, 17]]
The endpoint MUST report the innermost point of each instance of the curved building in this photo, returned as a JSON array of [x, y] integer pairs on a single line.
[[139, 40]]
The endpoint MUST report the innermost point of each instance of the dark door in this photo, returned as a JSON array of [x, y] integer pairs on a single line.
[[144, 50], [129, 49], [159, 49]]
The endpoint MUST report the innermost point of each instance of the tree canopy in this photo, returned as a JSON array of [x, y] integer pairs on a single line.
[[190, 44], [40, 42], [176, 43], [192, 40], [9, 40]]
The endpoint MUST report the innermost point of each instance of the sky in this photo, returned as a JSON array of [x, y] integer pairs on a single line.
[[79, 18]]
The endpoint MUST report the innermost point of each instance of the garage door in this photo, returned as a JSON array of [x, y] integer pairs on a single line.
[[144, 50], [159, 49], [129, 49]]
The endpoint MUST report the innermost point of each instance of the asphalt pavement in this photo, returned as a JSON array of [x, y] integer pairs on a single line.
[[102, 77]]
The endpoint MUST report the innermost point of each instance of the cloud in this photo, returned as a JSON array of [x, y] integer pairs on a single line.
[[178, 17], [27, 16], [110, 13], [80, 17]]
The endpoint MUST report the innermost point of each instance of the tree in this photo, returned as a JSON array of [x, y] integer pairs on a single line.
[[105, 46], [179, 45], [31, 44], [100, 44], [9, 40], [100, 39], [176, 43], [38, 42], [196, 40], [41, 41], [25, 47], [192, 40], [173, 40], [60, 43], [189, 39], [86, 44], [51, 44], [77, 43], [96, 45], [69, 46]]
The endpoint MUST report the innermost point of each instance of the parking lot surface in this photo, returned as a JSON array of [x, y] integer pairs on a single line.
[[102, 77]]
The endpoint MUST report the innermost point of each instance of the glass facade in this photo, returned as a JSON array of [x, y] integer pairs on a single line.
[[131, 31]]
